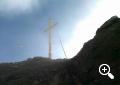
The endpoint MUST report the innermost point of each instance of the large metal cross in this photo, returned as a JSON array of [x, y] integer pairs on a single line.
[[51, 25]]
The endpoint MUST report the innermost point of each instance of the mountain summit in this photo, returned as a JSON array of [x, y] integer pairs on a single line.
[[82, 69]]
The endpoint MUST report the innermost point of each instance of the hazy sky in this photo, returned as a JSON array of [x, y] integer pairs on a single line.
[[22, 25]]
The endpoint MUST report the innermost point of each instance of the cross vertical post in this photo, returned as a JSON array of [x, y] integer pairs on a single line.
[[49, 35], [51, 25]]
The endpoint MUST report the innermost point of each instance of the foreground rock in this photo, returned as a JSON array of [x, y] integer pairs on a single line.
[[80, 70]]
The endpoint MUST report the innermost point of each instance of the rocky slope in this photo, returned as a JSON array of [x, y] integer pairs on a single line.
[[104, 48]]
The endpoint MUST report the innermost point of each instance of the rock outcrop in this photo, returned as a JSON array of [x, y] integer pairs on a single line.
[[104, 48]]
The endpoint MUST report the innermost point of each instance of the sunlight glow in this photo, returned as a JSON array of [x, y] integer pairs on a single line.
[[85, 30]]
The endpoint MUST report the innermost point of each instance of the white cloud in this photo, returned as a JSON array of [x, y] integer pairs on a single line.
[[18, 6], [85, 30]]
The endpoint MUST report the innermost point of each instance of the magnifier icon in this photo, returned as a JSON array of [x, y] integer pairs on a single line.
[[104, 69]]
